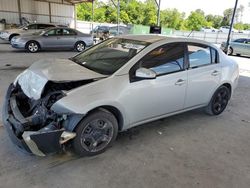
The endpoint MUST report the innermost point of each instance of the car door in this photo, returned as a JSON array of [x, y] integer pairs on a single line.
[[239, 46], [50, 38], [204, 74], [151, 98], [68, 39]]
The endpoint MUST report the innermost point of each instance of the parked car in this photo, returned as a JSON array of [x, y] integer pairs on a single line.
[[239, 46], [53, 38], [209, 29], [101, 32], [31, 28], [113, 86], [123, 30], [225, 29], [105, 32]]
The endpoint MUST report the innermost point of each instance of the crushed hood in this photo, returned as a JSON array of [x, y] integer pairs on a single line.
[[34, 79]]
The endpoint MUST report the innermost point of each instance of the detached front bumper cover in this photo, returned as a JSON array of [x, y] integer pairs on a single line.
[[36, 142]]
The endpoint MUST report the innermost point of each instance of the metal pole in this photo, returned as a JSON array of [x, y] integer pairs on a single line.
[[19, 11], [92, 25], [118, 17], [231, 26], [158, 13]]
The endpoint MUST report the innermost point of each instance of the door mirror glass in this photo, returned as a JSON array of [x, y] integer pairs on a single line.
[[145, 73]]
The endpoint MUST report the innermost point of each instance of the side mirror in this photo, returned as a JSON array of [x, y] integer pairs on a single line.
[[145, 73], [46, 35], [25, 28]]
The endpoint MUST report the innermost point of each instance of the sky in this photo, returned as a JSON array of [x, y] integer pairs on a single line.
[[208, 6]]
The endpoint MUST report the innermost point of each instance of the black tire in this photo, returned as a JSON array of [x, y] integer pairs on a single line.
[[80, 46], [230, 51], [11, 36], [33, 46], [95, 133], [219, 101]]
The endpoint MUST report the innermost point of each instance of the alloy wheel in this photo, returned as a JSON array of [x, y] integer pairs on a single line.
[[33, 47], [220, 101], [80, 47], [97, 135]]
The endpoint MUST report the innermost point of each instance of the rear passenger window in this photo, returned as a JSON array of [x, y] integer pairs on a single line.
[[201, 55], [68, 32]]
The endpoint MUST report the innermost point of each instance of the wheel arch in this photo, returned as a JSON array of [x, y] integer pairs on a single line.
[[13, 35], [229, 86], [113, 110]]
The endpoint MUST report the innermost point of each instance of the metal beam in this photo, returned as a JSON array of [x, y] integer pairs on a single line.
[[50, 19], [231, 26], [19, 11]]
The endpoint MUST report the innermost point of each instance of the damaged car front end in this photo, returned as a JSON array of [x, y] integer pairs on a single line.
[[28, 117]]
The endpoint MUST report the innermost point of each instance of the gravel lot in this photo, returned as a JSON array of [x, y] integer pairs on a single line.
[[186, 150]]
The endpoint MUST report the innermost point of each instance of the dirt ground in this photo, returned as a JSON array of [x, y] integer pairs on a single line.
[[187, 150]]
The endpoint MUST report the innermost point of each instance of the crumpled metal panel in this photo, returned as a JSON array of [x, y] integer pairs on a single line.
[[32, 84]]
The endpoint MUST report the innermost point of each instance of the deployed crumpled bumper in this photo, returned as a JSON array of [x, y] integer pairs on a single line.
[[36, 142]]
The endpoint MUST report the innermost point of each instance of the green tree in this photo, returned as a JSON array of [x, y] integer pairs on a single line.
[[215, 20], [196, 21], [172, 18]]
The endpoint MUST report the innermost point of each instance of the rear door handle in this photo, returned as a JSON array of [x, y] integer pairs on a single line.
[[215, 73], [180, 82]]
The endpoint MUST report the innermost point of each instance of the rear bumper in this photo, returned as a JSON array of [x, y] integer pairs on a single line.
[[36, 142], [4, 36]]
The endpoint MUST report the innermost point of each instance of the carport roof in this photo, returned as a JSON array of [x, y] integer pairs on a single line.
[[78, 1]]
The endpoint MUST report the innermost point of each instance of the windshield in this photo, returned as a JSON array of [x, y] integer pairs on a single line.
[[110, 55]]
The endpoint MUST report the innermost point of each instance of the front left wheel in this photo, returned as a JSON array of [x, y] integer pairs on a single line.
[[95, 133], [32, 46]]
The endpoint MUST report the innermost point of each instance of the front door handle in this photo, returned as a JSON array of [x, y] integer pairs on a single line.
[[215, 73], [180, 82]]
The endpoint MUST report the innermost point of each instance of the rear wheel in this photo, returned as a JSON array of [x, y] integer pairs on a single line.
[[219, 101], [32, 46], [80, 46], [95, 133]]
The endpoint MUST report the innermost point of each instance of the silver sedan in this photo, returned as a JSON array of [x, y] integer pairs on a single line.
[[239, 46], [118, 84], [53, 38]]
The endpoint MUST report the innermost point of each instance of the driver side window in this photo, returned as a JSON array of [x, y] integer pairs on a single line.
[[165, 59]]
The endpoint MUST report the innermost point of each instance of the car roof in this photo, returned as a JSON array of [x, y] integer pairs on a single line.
[[153, 38]]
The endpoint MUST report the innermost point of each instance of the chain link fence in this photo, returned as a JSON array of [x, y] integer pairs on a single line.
[[213, 37]]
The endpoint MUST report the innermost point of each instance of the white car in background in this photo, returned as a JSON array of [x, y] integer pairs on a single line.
[[225, 29], [209, 29], [27, 29]]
